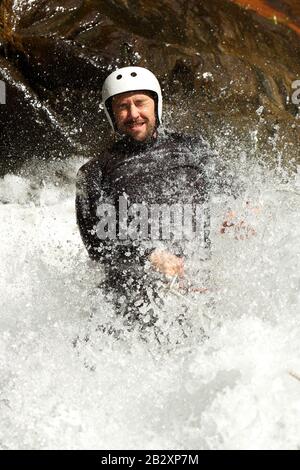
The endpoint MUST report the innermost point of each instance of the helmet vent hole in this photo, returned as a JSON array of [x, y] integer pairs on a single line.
[[133, 74], [119, 77]]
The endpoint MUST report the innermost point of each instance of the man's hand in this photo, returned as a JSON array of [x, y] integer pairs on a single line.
[[167, 263], [241, 229], [173, 266]]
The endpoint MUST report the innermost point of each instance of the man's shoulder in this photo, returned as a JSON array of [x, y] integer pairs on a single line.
[[94, 166], [89, 166]]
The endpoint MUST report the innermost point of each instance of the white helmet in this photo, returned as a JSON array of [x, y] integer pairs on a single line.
[[130, 79]]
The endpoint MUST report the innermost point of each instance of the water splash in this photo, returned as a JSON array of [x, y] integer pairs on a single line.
[[230, 389]]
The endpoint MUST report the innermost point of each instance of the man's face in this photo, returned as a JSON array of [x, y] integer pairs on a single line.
[[134, 114]]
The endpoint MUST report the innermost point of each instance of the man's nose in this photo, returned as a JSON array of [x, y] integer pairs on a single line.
[[133, 112]]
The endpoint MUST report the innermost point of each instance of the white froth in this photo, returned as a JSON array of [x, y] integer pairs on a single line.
[[237, 389]]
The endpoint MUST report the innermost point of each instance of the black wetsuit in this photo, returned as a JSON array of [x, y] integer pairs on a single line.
[[169, 169]]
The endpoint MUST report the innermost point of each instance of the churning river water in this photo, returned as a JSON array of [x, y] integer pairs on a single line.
[[65, 384]]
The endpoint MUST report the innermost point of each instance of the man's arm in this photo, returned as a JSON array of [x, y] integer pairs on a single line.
[[223, 179], [88, 196], [164, 261]]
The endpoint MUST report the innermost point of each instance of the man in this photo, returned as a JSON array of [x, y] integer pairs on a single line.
[[144, 171]]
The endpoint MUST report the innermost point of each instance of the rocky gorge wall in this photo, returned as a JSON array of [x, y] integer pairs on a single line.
[[222, 65]]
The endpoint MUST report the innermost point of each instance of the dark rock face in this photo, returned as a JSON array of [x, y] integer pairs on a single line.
[[282, 11], [219, 65]]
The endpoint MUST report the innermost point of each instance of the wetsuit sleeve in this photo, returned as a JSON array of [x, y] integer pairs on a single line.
[[88, 196]]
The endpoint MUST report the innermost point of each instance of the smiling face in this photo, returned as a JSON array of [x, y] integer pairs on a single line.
[[134, 114]]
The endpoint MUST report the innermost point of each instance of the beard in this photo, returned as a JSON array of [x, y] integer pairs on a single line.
[[139, 129]]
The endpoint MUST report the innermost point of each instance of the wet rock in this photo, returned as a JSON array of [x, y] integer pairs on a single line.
[[279, 11], [218, 64], [29, 128]]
